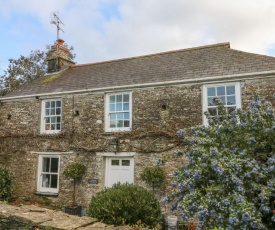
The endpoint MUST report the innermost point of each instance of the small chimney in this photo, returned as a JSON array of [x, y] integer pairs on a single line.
[[60, 42], [59, 57]]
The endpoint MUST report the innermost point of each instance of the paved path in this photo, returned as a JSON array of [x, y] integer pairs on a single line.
[[42, 218]]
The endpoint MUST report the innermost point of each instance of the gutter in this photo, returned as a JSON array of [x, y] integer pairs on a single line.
[[217, 79]]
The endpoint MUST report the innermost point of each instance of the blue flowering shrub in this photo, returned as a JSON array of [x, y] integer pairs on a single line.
[[229, 181]]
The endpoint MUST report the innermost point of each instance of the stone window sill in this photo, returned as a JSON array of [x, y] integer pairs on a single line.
[[46, 194]]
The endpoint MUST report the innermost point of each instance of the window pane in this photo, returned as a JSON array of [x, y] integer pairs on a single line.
[[58, 127], [46, 164], [52, 104], [118, 98], [126, 123], [47, 104], [113, 124], [47, 120], [212, 111], [119, 107], [125, 106], [112, 99], [115, 162], [54, 165], [112, 107], [125, 162], [120, 123], [220, 90], [58, 111], [58, 119], [52, 111], [126, 116], [222, 99], [230, 90], [53, 181], [113, 116], [210, 101], [45, 180], [211, 91], [231, 100], [48, 127], [126, 98], [53, 119], [52, 126], [58, 103], [119, 116], [47, 112]]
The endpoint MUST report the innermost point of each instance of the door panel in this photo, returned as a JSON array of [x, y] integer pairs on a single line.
[[119, 169]]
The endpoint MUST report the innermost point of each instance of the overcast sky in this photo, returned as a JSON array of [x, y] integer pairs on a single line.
[[109, 29]]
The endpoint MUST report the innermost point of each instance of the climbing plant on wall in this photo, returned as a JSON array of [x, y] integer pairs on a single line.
[[6, 181]]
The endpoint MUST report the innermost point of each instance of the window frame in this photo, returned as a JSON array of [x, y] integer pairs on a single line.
[[40, 188], [108, 112], [43, 116], [205, 96]]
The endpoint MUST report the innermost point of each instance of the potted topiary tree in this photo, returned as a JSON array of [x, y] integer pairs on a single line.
[[74, 171], [153, 175]]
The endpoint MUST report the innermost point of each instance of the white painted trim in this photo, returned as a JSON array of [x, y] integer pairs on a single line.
[[204, 96], [112, 154], [106, 112], [49, 153], [42, 117], [234, 77], [39, 173]]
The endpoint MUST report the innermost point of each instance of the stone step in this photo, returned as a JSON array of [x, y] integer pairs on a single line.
[[33, 216]]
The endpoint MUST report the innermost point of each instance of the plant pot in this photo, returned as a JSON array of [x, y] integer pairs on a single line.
[[77, 210], [192, 226]]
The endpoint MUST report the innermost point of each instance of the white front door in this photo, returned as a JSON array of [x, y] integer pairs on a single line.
[[119, 169]]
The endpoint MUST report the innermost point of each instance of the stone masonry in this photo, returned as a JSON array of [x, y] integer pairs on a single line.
[[83, 137]]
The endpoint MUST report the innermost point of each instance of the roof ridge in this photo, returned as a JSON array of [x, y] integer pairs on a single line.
[[252, 54], [227, 44]]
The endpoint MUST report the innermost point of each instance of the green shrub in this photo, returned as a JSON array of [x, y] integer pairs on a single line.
[[153, 175], [75, 171], [5, 183], [125, 204]]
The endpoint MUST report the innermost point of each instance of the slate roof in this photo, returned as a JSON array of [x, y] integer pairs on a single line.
[[199, 62]]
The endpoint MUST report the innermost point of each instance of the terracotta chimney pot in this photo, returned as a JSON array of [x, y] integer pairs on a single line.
[[60, 42]]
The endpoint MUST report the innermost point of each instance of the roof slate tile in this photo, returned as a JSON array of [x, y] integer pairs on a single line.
[[207, 61]]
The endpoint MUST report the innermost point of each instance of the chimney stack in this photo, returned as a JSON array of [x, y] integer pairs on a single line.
[[59, 57]]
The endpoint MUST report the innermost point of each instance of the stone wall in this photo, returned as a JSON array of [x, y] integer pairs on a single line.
[[157, 114]]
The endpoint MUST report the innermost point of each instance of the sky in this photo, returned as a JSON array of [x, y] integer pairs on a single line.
[[101, 30]]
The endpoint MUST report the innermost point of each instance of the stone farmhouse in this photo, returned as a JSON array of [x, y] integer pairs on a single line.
[[118, 116]]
